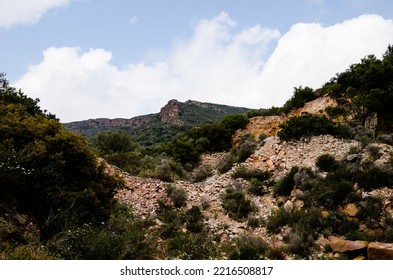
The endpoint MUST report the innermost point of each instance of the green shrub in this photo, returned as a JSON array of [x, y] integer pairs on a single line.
[[178, 196], [202, 173], [262, 137], [236, 204], [248, 174], [300, 97], [374, 178], [123, 237], [226, 163], [299, 243], [370, 212], [164, 172], [249, 247], [273, 111], [335, 112], [335, 188], [188, 246], [326, 163], [285, 185], [114, 142], [194, 219], [310, 125], [374, 151], [235, 122]]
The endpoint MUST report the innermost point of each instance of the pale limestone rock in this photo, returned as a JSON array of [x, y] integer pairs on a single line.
[[341, 245]]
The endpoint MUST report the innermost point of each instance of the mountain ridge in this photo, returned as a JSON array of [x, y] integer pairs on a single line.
[[175, 117]]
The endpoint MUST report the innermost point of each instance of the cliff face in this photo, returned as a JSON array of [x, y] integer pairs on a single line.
[[170, 113]]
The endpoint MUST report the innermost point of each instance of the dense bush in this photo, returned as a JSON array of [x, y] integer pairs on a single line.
[[273, 111], [374, 178], [336, 112], [235, 122], [310, 125], [202, 173], [249, 247], [300, 97], [123, 237], [249, 174], [114, 142], [177, 195], [326, 163], [226, 163], [286, 184], [51, 172], [236, 204], [188, 246]]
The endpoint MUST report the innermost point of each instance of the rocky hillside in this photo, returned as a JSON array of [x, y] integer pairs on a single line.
[[174, 118], [278, 158]]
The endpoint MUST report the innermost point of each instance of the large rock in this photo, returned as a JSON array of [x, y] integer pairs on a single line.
[[380, 251], [341, 245]]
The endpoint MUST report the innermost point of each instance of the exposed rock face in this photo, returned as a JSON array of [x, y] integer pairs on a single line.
[[170, 113], [341, 245], [380, 251], [280, 156]]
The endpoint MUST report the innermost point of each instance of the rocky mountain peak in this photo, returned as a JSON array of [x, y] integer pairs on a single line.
[[170, 113]]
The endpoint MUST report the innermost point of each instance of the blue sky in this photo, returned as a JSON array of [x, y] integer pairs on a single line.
[[95, 58]]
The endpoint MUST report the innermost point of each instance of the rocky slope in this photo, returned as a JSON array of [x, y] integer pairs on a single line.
[[272, 155]]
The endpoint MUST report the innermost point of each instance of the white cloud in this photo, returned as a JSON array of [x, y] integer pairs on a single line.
[[218, 63], [310, 54], [215, 64], [14, 12], [133, 20]]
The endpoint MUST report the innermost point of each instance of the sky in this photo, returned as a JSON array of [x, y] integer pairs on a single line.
[[123, 58]]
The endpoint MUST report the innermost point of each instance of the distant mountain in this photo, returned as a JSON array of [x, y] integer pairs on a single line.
[[174, 118]]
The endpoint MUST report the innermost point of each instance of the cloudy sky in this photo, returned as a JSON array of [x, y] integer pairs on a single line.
[[122, 58]]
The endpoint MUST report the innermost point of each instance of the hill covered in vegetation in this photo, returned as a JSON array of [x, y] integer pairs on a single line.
[[174, 118]]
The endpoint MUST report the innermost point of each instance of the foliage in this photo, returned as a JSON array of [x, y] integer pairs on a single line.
[[326, 163], [374, 151], [286, 184], [177, 195], [51, 172], [194, 218], [249, 174], [273, 111], [300, 97], [236, 204], [310, 125], [202, 173], [187, 246], [114, 142], [226, 163], [336, 112], [235, 122], [249, 247], [374, 178], [368, 85], [123, 237]]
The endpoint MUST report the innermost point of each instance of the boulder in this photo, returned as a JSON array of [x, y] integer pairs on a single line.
[[341, 245], [380, 251]]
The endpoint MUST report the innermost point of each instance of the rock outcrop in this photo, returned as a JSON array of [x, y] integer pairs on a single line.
[[170, 113], [380, 251], [343, 246]]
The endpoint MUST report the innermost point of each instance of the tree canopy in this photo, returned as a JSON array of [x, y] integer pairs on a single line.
[[49, 171]]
